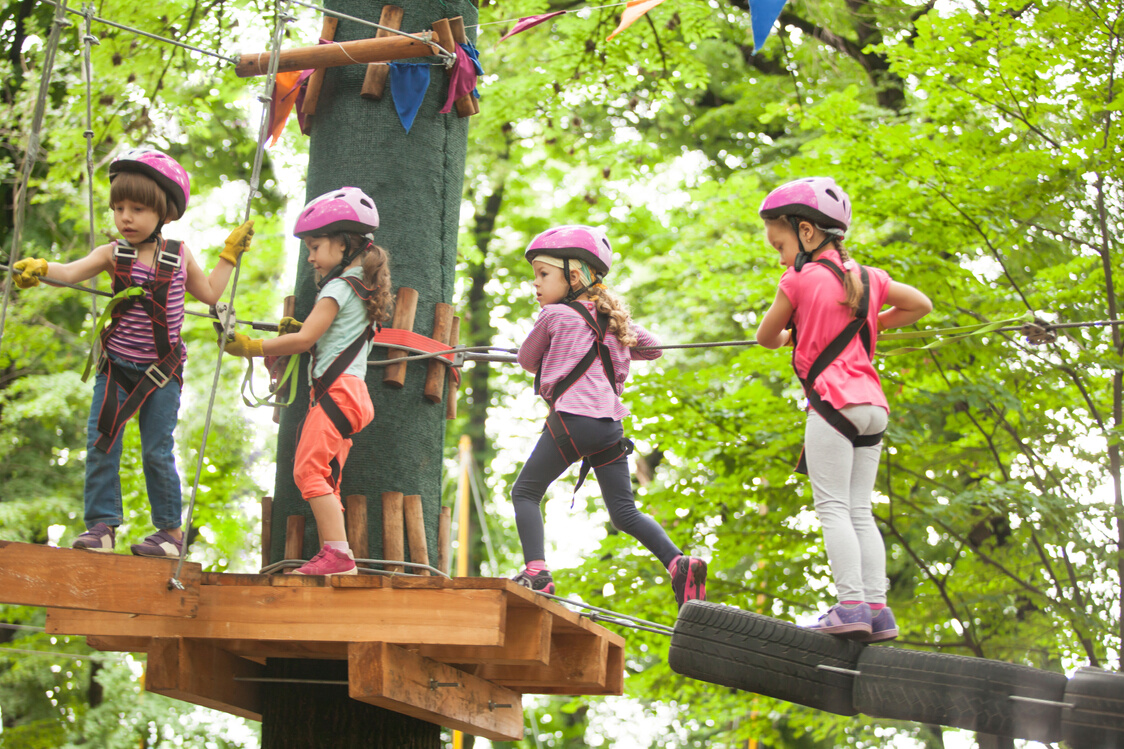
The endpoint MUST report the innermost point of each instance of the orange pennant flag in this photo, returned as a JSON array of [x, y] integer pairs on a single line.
[[635, 9], [284, 97]]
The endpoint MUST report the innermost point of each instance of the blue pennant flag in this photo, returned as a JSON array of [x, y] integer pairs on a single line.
[[764, 14], [408, 84], [474, 55]]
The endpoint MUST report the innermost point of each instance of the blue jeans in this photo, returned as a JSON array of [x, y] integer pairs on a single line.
[[158, 416]]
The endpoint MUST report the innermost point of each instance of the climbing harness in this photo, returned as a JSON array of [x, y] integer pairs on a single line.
[[859, 326], [554, 423], [153, 299]]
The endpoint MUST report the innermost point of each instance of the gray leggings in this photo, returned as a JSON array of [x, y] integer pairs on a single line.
[[842, 481], [546, 463]]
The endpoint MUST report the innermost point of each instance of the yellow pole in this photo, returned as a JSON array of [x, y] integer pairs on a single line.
[[462, 533]]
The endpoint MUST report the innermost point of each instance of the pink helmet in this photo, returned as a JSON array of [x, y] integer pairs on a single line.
[[345, 209], [161, 169], [817, 199], [576, 242]]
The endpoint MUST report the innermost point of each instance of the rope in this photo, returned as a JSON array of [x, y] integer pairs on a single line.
[[577, 10], [139, 32], [32, 152], [283, 18], [441, 53], [88, 41], [294, 563]]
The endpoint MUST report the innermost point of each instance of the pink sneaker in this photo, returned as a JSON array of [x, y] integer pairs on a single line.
[[328, 561]]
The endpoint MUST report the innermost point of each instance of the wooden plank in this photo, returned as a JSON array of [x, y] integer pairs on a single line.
[[394, 678], [112, 644], [393, 531], [35, 575], [526, 643], [577, 661], [328, 614], [334, 55], [316, 80], [415, 533], [374, 82], [356, 521], [202, 674]]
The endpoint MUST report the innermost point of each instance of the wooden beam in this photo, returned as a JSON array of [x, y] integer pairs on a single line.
[[374, 82], [526, 643], [112, 644], [396, 679], [325, 614], [577, 661], [415, 533], [393, 531], [294, 537], [35, 575], [356, 522], [334, 55], [316, 80], [266, 529], [202, 674]]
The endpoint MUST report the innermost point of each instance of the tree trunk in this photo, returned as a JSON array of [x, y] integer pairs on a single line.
[[416, 182]]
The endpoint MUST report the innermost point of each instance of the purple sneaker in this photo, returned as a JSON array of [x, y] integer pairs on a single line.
[[161, 545], [99, 538], [850, 622], [688, 579], [882, 626]]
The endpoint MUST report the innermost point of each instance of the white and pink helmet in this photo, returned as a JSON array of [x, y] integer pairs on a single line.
[[347, 209], [574, 242], [161, 169], [817, 199]]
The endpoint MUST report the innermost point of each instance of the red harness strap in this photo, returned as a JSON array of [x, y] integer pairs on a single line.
[[114, 412]]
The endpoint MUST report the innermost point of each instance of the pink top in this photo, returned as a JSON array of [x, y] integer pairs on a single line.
[[558, 342], [815, 294], [132, 339]]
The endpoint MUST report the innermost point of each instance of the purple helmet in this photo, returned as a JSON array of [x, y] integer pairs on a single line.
[[574, 241], [817, 199], [161, 169], [345, 209]]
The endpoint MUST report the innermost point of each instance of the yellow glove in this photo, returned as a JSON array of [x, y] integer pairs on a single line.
[[288, 325], [26, 272], [238, 242], [243, 345]]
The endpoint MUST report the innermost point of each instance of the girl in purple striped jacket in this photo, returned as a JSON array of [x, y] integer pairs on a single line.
[[579, 351], [141, 367]]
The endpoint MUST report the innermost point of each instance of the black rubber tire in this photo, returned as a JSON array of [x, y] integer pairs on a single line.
[[735, 648], [953, 690], [1095, 719]]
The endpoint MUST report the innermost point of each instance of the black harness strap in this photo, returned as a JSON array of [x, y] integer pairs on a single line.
[[114, 412], [858, 326], [563, 440], [321, 384]]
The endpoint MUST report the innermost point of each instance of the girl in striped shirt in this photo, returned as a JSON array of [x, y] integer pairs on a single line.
[[141, 367], [579, 351]]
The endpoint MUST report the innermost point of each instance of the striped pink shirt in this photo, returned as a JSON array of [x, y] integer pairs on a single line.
[[132, 340], [558, 342]]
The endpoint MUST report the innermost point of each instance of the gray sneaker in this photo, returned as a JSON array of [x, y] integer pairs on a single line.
[[100, 538]]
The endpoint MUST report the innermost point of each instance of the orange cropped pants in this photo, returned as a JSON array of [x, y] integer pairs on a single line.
[[322, 451]]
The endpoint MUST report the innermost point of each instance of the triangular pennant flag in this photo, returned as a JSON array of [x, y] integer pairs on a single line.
[[474, 55], [284, 97], [763, 14], [635, 9], [462, 79], [408, 84], [528, 22]]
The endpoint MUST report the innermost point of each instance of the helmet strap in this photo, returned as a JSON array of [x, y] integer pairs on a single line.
[[575, 293], [348, 258], [803, 255]]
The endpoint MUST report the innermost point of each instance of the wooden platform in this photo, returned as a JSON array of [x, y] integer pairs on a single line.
[[460, 653]]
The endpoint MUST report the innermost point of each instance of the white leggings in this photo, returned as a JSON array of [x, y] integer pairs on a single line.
[[842, 481]]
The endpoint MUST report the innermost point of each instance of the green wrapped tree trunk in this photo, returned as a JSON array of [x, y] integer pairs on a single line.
[[416, 181]]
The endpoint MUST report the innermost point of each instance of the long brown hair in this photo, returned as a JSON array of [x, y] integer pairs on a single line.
[[852, 283], [610, 304], [376, 275]]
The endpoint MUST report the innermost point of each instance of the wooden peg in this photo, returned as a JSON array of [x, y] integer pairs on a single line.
[[467, 104], [435, 371], [316, 80], [394, 47], [444, 539], [294, 537], [444, 34], [393, 537], [450, 378], [405, 308], [374, 83], [415, 533], [266, 529], [287, 310], [355, 517]]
